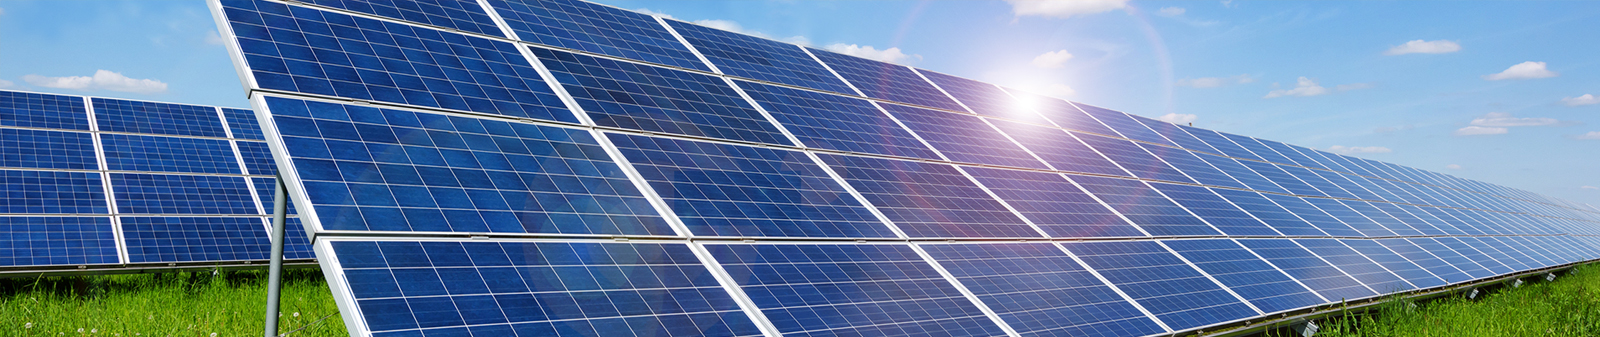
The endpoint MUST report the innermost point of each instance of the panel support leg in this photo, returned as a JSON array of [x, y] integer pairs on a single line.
[[275, 272]]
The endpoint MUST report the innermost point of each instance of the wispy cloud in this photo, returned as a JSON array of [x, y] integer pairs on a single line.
[[1586, 99], [1341, 149], [1306, 87], [1052, 60], [1501, 119], [733, 26], [1453, 166], [1587, 187], [7, 84], [1176, 118], [1480, 131], [1523, 71], [891, 55], [1064, 9], [213, 38], [1592, 135], [1213, 82], [102, 79], [1177, 14], [1424, 47], [648, 11], [1171, 11]]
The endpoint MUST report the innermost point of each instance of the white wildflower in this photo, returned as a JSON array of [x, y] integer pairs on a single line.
[[297, 314], [28, 325], [94, 330], [213, 334], [80, 330]]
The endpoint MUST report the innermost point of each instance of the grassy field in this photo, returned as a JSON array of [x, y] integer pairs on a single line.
[[166, 304], [1570, 306]]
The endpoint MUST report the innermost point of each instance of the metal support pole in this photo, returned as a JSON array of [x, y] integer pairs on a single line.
[[275, 273]]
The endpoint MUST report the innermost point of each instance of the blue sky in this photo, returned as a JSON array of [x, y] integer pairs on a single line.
[[1502, 92]]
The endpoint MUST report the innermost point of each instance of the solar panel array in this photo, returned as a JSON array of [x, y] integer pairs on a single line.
[[589, 170], [108, 183]]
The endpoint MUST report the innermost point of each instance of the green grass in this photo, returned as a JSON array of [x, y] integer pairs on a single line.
[[179, 304], [1570, 306]]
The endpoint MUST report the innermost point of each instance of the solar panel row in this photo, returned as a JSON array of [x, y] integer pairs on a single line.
[[820, 188]]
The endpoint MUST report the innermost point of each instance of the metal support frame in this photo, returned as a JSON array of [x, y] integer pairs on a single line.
[[275, 271]]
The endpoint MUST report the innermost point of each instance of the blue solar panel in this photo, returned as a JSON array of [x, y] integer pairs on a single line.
[[1241, 173], [1310, 270], [836, 122], [1450, 224], [1475, 255], [185, 239], [595, 28], [48, 192], [1414, 225], [1540, 256], [23, 148], [1350, 217], [1322, 185], [157, 118], [1435, 266], [851, 290], [886, 81], [1389, 223], [1062, 113], [265, 191], [1293, 155], [391, 170], [1528, 258], [635, 96], [1058, 148], [927, 199], [1395, 263], [728, 190], [1460, 261], [1126, 126], [963, 138], [32, 110], [243, 124], [1133, 158], [1246, 274], [1318, 157], [1220, 143], [168, 154], [984, 98], [463, 15], [1269, 212], [296, 243], [1177, 135], [1054, 204], [1040, 291], [1255, 147], [1351, 262], [36, 241], [257, 158], [1215, 210], [1497, 251], [1311, 214], [1193, 166], [303, 50], [1341, 183], [757, 58], [536, 289], [1276, 174], [1176, 293], [181, 194], [1369, 186], [1144, 206]]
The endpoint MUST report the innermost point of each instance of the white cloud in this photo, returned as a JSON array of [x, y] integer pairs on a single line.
[[891, 55], [102, 79], [1213, 82], [212, 38], [1586, 99], [7, 84], [647, 11], [1064, 8], [1592, 135], [1052, 60], [1522, 71], [1171, 11], [1453, 166], [1352, 86], [1424, 47], [1303, 87], [1176, 118], [1480, 131], [1501, 119], [721, 24], [1587, 187], [2, 11], [1341, 149]]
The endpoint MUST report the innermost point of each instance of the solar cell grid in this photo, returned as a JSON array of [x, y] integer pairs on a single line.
[[1294, 156], [257, 158], [1395, 263], [37, 241], [1474, 254], [1054, 204], [24, 148], [635, 96], [836, 122], [1241, 173], [1249, 276], [1416, 225], [1497, 251], [1176, 293], [1218, 212], [51, 192], [757, 58], [1389, 223], [1533, 259], [243, 124], [463, 15], [1350, 217], [1456, 259], [1125, 126], [1059, 148], [1302, 208], [866, 290], [984, 98], [188, 239], [265, 191], [391, 170], [886, 81], [181, 194], [1220, 143], [1277, 175], [1317, 274], [1340, 182], [117, 115], [168, 154], [1322, 186], [963, 138], [24, 109], [1061, 113], [1133, 158], [1144, 206], [1255, 147], [309, 51], [1192, 166], [1176, 134], [1269, 212], [1435, 266], [1040, 291], [595, 28], [729, 190], [927, 199]]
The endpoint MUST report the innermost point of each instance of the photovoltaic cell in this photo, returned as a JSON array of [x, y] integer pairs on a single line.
[[1474, 254], [1456, 259], [117, 115], [886, 81], [1177, 135], [927, 199], [1312, 271], [50, 192], [1189, 164], [1220, 143], [1350, 217], [1215, 210], [1144, 206], [1305, 210], [1241, 173], [390, 170], [1250, 143], [537, 289], [37, 241], [963, 138], [729, 190], [1133, 158], [1062, 113], [265, 191], [635, 96], [1040, 291], [188, 239], [1395, 263], [1496, 251], [1341, 183], [836, 122], [1276, 174], [851, 290], [257, 158], [1268, 212], [23, 148], [984, 98], [1322, 185], [1293, 155], [1058, 148], [1351, 262], [243, 123], [1528, 259], [1177, 294], [463, 15], [181, 194], [1124, 125], [1249, 276], [1425, 259], [22, 109], [315, 52], [168, 154], [595, 28], [1053, 203], [757, 58], [1389, 223]]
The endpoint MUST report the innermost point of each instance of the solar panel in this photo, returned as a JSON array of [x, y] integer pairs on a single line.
[[1268, 212], [963, 138], [1059, 148], [46, 149], [1218, 212], [189, 239], [1309, 212], [1125, 125], [1177, 135], [169, 154], [850, 289], [1257, 281], [595, 28], [1311, 270], [1255, 147], [1283, 179], [1061, 113], [1192, 166], [1054, 204], [1323, 187], [1039, 290], [1388, 222], [1177, 293], [1133, 158], [1294, 156], [1220, 143], [928, 200], [1241, 173], [1497, 252], [54, 240], [1144, 206], [464, 15], [983, 98], [1456, 259], [1394, 263], [31, 110], [837, 122], [760, 59], [1429, 261], [730, 190], [1350, 217], [1474, 254], [886, 81]]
